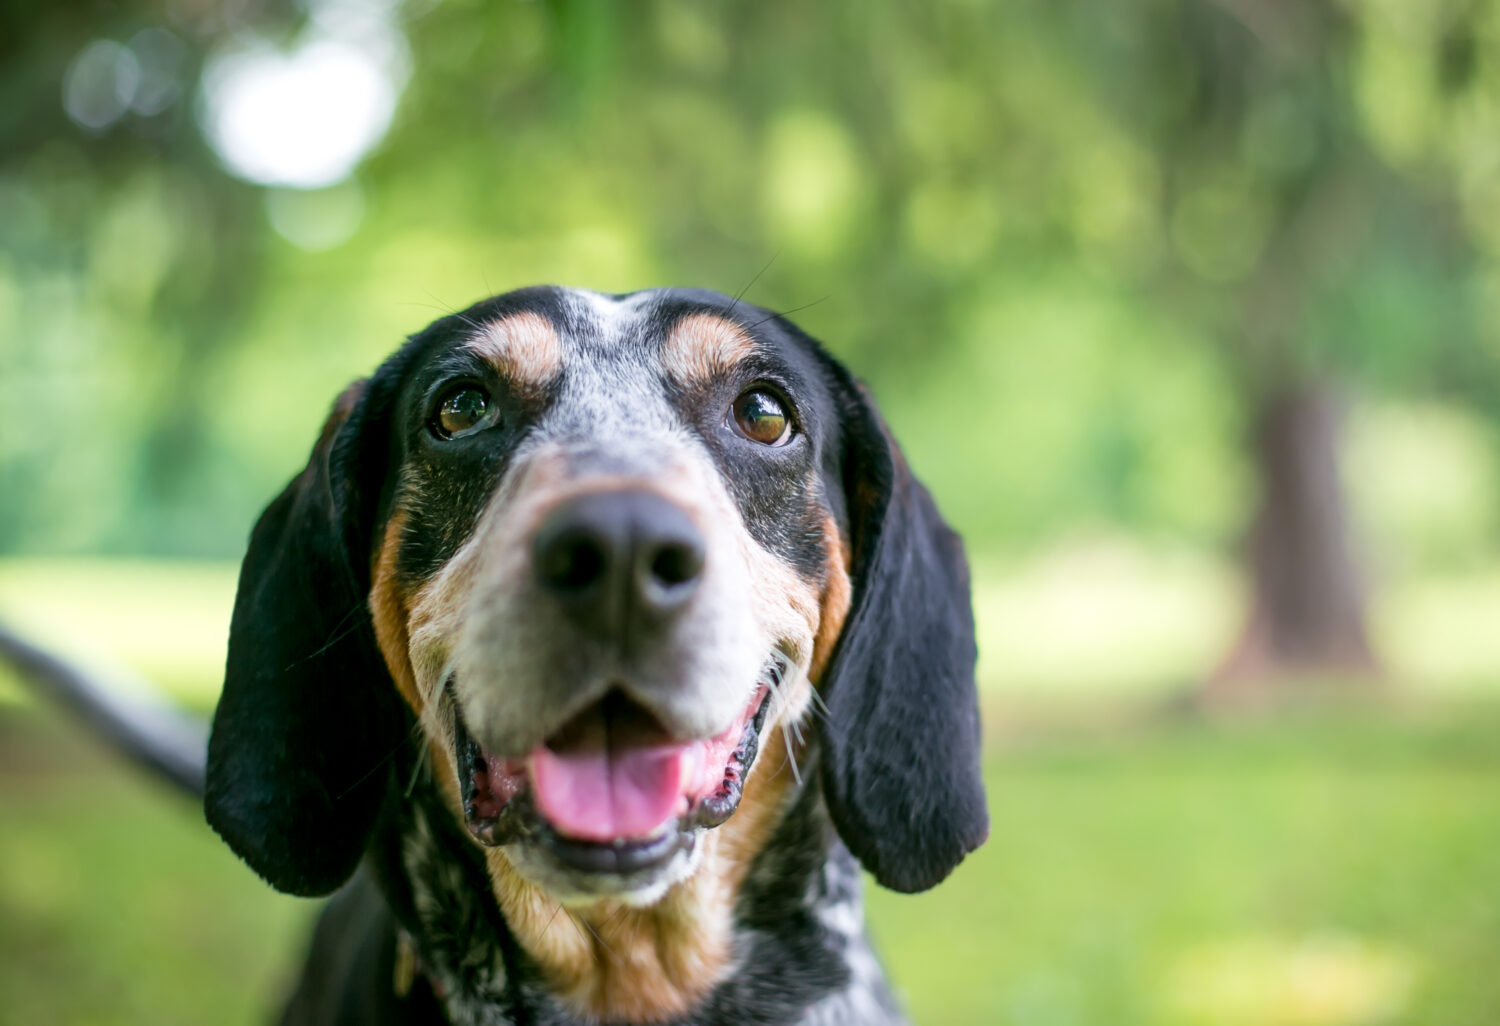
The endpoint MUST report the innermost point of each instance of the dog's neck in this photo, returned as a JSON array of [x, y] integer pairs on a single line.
[[797, 948]]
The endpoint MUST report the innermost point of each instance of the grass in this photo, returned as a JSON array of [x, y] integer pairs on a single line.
[[1324, 869], [1329, 866], [167, 621], [117, 903]]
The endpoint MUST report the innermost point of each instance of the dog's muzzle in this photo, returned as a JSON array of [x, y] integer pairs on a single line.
[[628, 778], [610, 792]]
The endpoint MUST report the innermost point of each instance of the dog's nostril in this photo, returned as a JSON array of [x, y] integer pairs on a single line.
[[619, 562], [676, 564], [572, 561]]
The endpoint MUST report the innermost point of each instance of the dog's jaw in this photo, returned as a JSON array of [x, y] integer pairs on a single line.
[[580, 855], [689, 954], [654, 954]]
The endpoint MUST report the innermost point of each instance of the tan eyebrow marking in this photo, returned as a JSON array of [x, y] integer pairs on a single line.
[[704, 345], [522, 346]]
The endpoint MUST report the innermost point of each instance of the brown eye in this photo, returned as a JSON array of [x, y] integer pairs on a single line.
[[461, 410], [761, 418]]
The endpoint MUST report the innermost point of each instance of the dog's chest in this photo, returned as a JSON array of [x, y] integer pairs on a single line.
[[801, 957]]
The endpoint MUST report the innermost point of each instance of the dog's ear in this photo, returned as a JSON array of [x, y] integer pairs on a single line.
[[900, 764], [308, 717]]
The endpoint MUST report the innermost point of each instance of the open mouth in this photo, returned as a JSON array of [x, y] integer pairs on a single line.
[[611, 792]]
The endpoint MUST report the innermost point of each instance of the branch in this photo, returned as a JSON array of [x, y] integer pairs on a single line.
[[126, 712]]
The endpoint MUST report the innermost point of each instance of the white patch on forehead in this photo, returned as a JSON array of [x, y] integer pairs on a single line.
[[610, 317], [613, 404]]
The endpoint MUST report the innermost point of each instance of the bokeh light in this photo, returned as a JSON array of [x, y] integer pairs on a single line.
[[101, 84], [305, 115]]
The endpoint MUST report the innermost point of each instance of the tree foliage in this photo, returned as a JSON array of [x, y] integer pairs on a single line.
[[1066, 242]]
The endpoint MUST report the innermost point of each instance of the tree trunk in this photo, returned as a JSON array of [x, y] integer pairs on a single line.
[[1307, 613]]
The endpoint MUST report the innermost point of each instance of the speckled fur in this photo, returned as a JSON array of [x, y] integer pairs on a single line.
[[801, 957], [835, 555]]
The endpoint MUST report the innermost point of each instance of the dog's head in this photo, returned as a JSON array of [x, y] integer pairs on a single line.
[[604, 550]]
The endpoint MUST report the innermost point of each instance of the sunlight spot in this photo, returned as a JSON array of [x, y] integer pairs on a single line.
[[161, 56], [100, 84], [304, 117], [814, 183], [316, 219], [1322, 979]]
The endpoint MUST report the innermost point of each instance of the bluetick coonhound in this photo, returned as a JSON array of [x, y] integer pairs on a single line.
[[601, 642]]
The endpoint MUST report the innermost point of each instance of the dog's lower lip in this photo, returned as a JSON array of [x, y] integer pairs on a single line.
[[616, 857], [512, 816]]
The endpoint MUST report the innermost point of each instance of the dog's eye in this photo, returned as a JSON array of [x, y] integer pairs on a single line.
[[761, 418], [461, 410]]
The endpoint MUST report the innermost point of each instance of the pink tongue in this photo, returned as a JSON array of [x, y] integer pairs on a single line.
[[602, 795]]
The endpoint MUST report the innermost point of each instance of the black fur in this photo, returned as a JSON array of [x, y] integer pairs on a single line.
[[901, 765], [793, 955], [309, 770], [308, 711]]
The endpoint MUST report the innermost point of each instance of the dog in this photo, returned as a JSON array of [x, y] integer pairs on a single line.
[[601, 642]]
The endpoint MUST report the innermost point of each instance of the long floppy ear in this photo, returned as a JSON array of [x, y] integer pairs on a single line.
[[900, 766], [307, 718]]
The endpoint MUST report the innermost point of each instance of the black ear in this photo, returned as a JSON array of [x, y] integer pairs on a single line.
[[308, 716], [900, 765]]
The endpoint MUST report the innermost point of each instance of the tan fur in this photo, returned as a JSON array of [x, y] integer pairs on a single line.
[[617, 963], [609, 961], [785, 605], [703, 346], [523, 346], [388, 611], [837, 596], [391, 616], [438, 607]]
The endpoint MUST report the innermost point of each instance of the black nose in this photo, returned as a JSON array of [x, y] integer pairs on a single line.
[[619, 562]]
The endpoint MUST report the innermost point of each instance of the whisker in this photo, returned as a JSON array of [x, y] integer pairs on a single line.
[[574, 921], [429, 724], [784, 313], [786, 736], [339, 634], [440, 308], [619, 914], [471, 322], [820, 706], [551, 920], [430, 719], [373, 769], [791, 758], [449, 311], [741, 293], [609, 950], [796, 729], [781, 705], [421, 763], [440, 305]]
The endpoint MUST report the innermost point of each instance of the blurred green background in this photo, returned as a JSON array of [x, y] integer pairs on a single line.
[[1187, 310]]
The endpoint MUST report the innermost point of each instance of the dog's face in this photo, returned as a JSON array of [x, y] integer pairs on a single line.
[[605, 550], [607, 555]]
